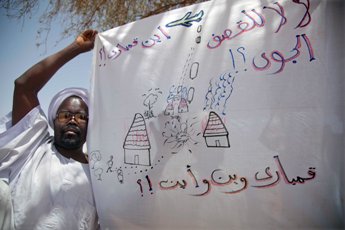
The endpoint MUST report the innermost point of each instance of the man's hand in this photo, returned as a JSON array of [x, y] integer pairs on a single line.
[[86, 40]]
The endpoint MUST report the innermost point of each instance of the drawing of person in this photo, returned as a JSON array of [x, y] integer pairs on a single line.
[[169, 110], [94, 158], [120, 175], [110, 164]]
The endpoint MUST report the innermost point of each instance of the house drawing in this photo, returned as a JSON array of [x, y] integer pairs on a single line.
[[216, 134], [137, 145]]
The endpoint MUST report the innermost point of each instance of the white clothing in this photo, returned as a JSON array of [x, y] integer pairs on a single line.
[[6, 220], [48, 191]]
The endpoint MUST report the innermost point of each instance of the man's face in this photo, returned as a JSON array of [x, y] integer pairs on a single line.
[[70, 124]]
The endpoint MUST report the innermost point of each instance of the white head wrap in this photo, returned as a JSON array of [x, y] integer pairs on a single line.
[[61, 96]]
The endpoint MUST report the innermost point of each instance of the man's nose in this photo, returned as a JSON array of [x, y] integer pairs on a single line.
[[72, 119]]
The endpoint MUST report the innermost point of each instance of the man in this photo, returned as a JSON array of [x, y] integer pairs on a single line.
[[48, 177]]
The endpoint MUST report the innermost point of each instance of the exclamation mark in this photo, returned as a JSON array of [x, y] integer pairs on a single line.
[[150, 184], [141, 187]]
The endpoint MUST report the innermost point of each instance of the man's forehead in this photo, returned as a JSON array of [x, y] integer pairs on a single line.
[[73, 102]]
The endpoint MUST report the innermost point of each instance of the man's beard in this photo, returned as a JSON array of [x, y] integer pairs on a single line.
[[71, 141]]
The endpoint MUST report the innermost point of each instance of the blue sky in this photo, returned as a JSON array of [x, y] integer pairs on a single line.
[[18, 52]]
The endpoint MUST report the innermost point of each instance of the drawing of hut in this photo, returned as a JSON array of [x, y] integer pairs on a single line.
[[215, 133], [137, 145], [169, 110], [183, 106]]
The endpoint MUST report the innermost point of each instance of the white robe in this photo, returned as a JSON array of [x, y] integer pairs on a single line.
[[48, 191]]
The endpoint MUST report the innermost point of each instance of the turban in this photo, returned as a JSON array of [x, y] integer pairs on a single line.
[[60, 97]]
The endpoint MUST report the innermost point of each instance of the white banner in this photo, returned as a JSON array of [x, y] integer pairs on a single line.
[[221, 115]]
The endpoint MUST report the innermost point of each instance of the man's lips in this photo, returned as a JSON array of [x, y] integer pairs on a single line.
[[71, 130]]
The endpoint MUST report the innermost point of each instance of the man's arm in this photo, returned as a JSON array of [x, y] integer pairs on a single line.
[[31, 82]]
